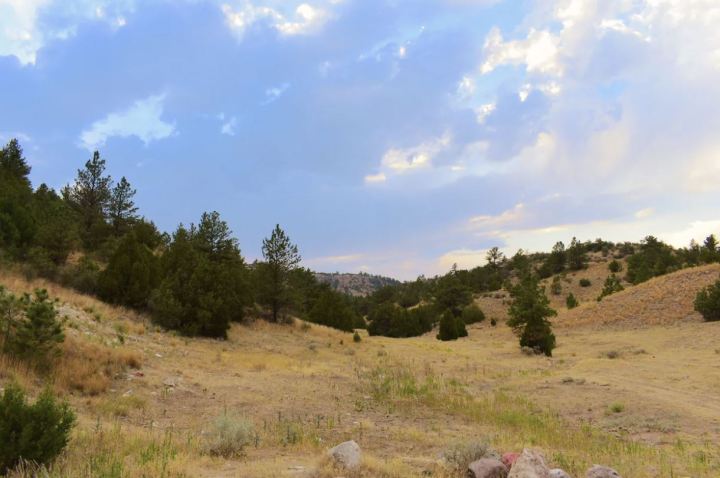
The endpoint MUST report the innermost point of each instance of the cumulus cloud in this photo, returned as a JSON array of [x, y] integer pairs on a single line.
[[398, 161], [304, 19], [274, 93], [142, 120]]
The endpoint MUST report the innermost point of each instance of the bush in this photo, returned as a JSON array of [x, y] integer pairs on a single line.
[[571, 301], [82, 277], [356, 337], [707, 302], [493, 321], [585, 282], [556, 286], [31, 330], [612, 285], [472, 314], [333, 310], [389, 320], [615, 267], [448, 327], [459, 455], [32, 432], [654, 259], [228, 436], [131, 275]]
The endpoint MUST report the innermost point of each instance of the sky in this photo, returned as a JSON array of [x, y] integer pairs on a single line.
[[394, 137]]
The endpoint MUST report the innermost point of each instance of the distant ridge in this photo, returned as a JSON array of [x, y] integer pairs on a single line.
[[360, 284]]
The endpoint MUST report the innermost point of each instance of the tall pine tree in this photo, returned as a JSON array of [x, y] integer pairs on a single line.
[[281, 258]]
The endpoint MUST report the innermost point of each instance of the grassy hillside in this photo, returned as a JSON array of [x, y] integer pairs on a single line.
[[635, 399]]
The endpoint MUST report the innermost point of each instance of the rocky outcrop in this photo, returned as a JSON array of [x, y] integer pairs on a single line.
[[487, 468]]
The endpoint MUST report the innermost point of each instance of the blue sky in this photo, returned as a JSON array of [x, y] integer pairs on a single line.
[[393, 137]]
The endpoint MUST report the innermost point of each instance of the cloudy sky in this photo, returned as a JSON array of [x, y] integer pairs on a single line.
[[390, 136]]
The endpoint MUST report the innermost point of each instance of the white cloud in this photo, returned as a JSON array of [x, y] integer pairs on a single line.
[[538, 53], [644, 213], [376, 178], [397, 161], [465, 88], [142, 120], [228, 126], [303, 20], [274, 93], [22, 36], [464, 258]]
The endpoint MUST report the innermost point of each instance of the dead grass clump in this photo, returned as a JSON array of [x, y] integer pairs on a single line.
[[90, 368]]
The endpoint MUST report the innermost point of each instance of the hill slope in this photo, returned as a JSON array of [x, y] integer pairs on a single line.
[[355, 284]]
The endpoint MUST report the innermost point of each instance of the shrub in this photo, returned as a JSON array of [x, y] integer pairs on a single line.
[[571, 301], [707, 302], [82, 277], [333, 310], [585, 282], [459, 455], [392, 321], [29, 327], [228, 436], [655, 258], [32, 432], [448, 327], [356, 337], [493, 321], [472, 314], [615, 267], [131, 275], [612, 285], [556, 286]]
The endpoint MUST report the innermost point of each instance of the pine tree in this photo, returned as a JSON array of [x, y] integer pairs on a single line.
[[121, 208], [448, 327], [281, 257], [39, 333], [529, 313], [612, 285], [90, 196], [576, 257], [13, 164], [133, 272]]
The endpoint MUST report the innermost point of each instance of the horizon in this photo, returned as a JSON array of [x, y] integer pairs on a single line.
[[385, 138]]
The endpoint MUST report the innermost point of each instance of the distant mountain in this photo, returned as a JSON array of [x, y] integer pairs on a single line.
[[361, 284]]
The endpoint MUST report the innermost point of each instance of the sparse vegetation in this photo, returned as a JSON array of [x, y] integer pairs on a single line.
[[584, 282], [611, 286], [571, 302], [228, 436]]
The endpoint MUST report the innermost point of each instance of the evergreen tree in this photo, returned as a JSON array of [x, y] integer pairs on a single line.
[[707, 302], [710, 251], [121, 207], [204, 285], [57, 232], [448, 327], [90, 196], [576, 257], [529, 313], [133, 272], [13, 164], [281, 257], [332, 310], [571, 302], [17, 225], [38, 334], [612, 285], [34, 433], [451, 294], [654, 258]]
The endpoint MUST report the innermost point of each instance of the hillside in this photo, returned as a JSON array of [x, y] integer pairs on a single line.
[[304, 388], [354, 284]]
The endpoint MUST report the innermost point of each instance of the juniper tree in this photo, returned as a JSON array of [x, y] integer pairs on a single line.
[[38, 334], [281, 258]]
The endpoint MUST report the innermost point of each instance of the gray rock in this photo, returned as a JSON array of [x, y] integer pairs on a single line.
[[598, 471], [487, 468], [346, 455], [558, 473], [530, 464]]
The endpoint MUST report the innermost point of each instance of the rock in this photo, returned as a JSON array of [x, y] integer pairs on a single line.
[[598, 471], [487, 468], [558, 473], [530, 464], [509, 458], [346, 454]]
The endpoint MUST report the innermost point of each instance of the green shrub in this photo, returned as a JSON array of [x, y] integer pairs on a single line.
[[131, 275], [333, 310], [448, 327], [82, 277], [493, 321], [30, 327], [32, 432], [585, 282], [612, 285], [356, 337], [655, 258], [228, 436], [615, 267], [459, 455], [472, 314], [389, 320], [571, 301], [707, 302], [529, 313]]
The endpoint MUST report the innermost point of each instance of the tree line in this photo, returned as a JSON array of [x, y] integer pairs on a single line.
[[90, 236]]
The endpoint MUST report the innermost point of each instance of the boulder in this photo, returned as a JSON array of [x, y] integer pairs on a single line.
[[487, 468], [530, 464], [509, 458], [346, 455], [598, 471], [558, 473]]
